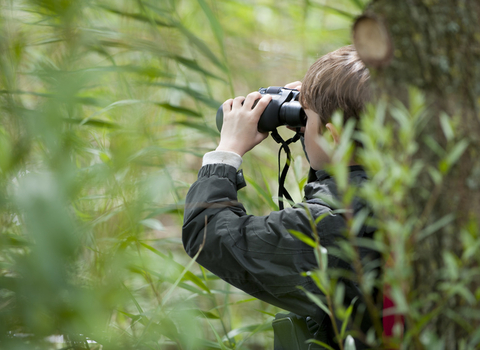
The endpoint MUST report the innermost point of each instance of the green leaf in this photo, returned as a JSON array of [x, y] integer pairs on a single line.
[[214, 23], [193, 93], [359, 4], [135, 16], [265, 195], [12, 240], [316, 299], [347, 317], [219, 340], [193, 65], [303, 237], [142, 70], [447, 219], [318, 342], [206, 314], [203, 48], [457, 151], [200, 127], [254, 328], [349, 343], [334, 10], [92, 122], [446, 126], [153, 224], [189, 276], [179, 110]]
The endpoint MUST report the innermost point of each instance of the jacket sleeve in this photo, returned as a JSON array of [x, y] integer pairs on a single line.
[[257, 254]]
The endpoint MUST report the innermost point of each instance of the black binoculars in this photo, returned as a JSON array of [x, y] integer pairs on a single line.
[[283, 109]]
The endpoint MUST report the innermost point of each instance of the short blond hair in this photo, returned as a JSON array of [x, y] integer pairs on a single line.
[[337, 80]]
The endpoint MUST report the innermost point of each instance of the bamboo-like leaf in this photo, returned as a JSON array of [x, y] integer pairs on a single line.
[[214, 24], [348, 313], [446, 126], [142, 70], [349, 343], [219, 340], [77, 99], [135, 16], [262, 327], [265, 312], [12, 240], [303, 237], [92, 122], [263, 194], [193, 93], [254, 328], [184, 273], [457, 151], [192, 64], [137, 305], [203, 48], [316, 299], [427, 231], [318, 342], [206, 314], [200, 127], [179, 110], [153, 224]]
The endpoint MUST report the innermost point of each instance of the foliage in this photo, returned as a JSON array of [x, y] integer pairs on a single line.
[[107, 107], [391, 135]]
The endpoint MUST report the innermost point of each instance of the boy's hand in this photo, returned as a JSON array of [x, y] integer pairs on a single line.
[[240, 121], [297, 85]]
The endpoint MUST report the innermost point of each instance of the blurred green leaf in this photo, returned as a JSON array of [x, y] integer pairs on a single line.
[[136, 16], [303, 237], [265, 195], [200, 127], [189, 276], [334, 10], [193, 93], [317, 300], [201, 45], [349, 343]]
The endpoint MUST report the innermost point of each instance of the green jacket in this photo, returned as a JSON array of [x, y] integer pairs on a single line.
[[257, 254]]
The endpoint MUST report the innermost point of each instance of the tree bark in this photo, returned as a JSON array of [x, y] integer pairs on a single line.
[[436, 48]]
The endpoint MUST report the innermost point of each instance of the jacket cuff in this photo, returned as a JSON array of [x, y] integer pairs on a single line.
[[222, 157], [223, 171]]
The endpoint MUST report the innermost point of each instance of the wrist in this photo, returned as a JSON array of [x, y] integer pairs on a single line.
[[230, 148]]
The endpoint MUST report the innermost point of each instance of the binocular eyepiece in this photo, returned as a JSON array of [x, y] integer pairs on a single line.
[[283, 109]]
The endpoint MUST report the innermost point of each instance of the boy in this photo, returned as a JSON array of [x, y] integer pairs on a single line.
[[258, 254]]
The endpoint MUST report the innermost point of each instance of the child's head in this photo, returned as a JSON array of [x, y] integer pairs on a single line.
[[337, 80]]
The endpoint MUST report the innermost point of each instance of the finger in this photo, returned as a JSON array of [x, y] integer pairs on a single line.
[[302, 129], [227, 106], [261, 136], [251, 98], [294, 85], [263, 102], [238, 101]]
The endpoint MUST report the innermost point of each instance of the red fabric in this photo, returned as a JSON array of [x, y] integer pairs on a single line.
[[390, 319]]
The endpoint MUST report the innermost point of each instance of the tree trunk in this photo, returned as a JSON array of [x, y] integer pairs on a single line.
[[435, 46]]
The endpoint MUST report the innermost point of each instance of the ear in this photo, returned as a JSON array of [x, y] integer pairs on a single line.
[[333, 132]]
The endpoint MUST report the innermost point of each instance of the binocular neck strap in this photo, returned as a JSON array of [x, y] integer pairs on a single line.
[[282, 192]]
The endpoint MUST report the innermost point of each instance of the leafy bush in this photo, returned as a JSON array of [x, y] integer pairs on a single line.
[[107, 107]]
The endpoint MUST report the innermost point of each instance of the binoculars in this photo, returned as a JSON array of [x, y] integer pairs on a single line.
[[283, 109]]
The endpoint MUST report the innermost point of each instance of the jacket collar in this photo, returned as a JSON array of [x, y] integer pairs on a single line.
[[323, 174], [324, 189]]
